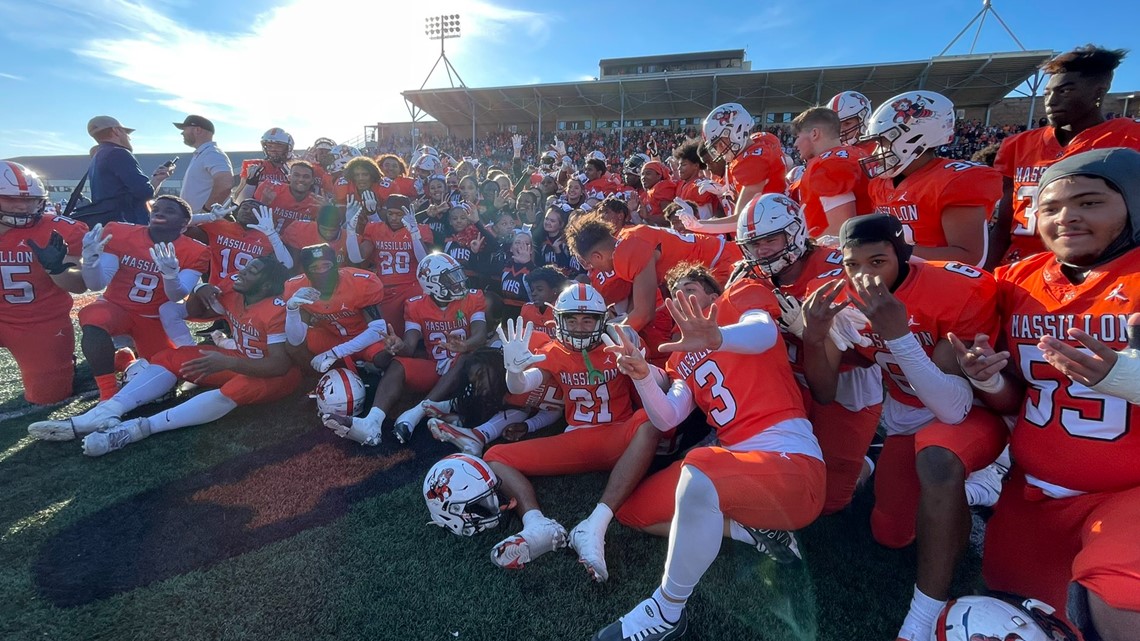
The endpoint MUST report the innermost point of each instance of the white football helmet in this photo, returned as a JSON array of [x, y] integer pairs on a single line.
[[340, 391], [634, 163], [442, 277], [22, 196], [597, 155], [460, 495], [548, 160], [983, 618], [794, 174], [904, 127], [429, 164], [323, 143], [579, 298], [342, 154], [278, 138], [766, 215], [849, 104], [725, 130]]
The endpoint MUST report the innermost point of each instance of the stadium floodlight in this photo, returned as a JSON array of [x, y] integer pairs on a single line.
[[442, 27]]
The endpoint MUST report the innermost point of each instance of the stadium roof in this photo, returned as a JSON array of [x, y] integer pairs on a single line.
[[976, 80]]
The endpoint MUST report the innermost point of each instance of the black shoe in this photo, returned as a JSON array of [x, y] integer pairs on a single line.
[[780, 545]]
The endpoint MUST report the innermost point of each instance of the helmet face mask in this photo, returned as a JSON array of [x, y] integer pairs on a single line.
[[905, 127], [277, 145], [770, 216], [442, 278], [854, 114], [461, 495], [725, 131], [23, 197], [575, 301]]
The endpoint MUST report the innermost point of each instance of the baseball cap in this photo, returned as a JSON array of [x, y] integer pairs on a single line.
[[99, 123], [876, 228], [196, 121]]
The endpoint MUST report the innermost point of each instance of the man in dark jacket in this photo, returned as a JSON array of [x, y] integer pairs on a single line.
[[119, 188]]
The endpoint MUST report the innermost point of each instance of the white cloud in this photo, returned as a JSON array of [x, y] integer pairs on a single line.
[[313, 67], [10, 76], [37, 141]]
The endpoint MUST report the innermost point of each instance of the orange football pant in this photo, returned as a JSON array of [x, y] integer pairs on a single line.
[[149, 336], [844, 437], [239, 388], [586, 449]]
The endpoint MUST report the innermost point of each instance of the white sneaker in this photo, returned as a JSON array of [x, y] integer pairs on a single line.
[[442, 410], [984, 486], [364, 430], [591, 548], [468, 441], [116, 438], [517, 550], [97, 418], [644, 623]]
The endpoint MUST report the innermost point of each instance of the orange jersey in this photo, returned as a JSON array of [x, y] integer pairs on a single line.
[[1067, 434], [1024, 157], [137, 285], [920, 198], [688, 190], [659, 196], [304, 233], [599, 188], [29, 294], [287, 209], [232, 247], [543, 321], [594, 391], [325, 181], [345, 188], [270, 172], [256, 327], [637, 245], [342, 313], [395, 259], [833, 173], [406, 186], [762, 160], [940, 297], [741, 394], [434, 324], [821, 265]]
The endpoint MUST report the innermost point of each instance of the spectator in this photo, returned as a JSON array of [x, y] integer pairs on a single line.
[[119, 188], [210, 176]]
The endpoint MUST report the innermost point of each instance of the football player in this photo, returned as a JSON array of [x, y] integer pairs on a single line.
[[773, 239], [395, 245], [278, 147], [689, 169], [1078, 82], [660, 190], [762, 478], [328, 228], [833, 186], [294, 200], [598, 185], [545, 284], [257, 371], [601, 425], [943, 204], [363, 183], [854, 111], [333, 312], [141, 268], [451, 322], [935, 436], [39, 261], [755, 163], [1068, 371]]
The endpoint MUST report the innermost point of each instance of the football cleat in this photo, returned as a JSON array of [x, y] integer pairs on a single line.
[[116, 438], [591, 549], [517, 550], [403, 432], [441, 410], [780, 545], [984, 486], [364, 430], [468, 441], [97, 418], [644, 623]]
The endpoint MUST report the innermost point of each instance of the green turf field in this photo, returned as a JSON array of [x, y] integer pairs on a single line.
[[266, 526]]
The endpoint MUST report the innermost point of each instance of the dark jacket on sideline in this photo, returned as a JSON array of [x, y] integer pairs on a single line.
[[117, 180]]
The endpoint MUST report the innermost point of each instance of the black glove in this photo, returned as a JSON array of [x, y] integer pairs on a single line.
[[52, 256], [253, 174]]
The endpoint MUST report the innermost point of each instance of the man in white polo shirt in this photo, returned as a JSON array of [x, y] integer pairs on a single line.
[[210, 176]]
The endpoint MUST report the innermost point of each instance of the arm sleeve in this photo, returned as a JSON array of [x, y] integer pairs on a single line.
[[98, 276], [352, 243], [178, 288], [375, 333], [545, 418], [527, 381], [295, 328], [947, 396], [666, 408], [753, 334]]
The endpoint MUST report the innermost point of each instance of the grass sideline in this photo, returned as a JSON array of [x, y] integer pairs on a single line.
[[369, 567]]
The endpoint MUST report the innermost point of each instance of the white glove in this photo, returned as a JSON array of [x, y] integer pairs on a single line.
[[559, 146], [791, 313], [567, 163], [410, 223], [93, 244], [304, 296], [163, 255], [264, 222], [221, 340], [352, 214], [323, 362], [368, 199], [220, 211], [709, 186], [686, 214], [845, 328], [516, 346], [516, 143]]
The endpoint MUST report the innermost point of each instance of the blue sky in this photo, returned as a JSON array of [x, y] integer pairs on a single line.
[[328, 67]]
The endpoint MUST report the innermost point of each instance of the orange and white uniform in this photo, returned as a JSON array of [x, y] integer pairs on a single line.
[[637, 244], [345, 188], [341, 317], [1074, 482], [543, 320], [35, 322], [688, 190], [762, 160], [270, 172], [396, 264], [287, 209], [255, 328], [600, 188], [833, 174], [129, 305], [658, 197], [920, 198], [766, 466], [305, 232], [1024, 157], [435, 324], [232, 247]]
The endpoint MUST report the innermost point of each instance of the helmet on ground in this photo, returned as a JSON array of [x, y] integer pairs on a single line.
[[460, 494], [340, 391]]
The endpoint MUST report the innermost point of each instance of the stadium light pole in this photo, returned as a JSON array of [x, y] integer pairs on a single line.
[[443, 28]]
